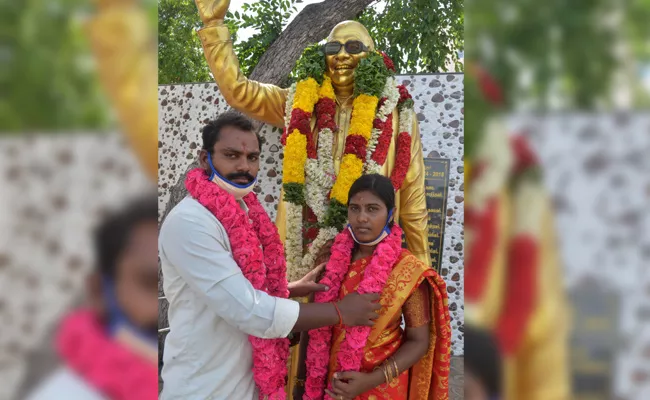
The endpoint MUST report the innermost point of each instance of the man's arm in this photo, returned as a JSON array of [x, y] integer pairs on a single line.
[[198, 253], [413, 217], [260, 101]]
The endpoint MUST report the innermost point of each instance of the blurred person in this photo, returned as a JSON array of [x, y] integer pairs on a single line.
[[109, 348], [482, 362], [385, 361], [224, 274], [513, 281]]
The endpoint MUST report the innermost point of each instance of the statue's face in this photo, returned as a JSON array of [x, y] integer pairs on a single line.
[[341, 66]]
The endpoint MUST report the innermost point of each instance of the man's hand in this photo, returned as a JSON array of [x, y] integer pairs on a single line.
[[359, 309], [348, 385], [212, 11], [307, 285]]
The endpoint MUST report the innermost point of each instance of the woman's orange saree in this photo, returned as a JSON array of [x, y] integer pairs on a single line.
[[428, 379]]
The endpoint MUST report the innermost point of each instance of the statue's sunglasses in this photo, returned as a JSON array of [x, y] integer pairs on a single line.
[[352, 47]]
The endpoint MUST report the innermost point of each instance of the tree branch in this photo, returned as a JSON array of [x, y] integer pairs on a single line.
[[311, 25]]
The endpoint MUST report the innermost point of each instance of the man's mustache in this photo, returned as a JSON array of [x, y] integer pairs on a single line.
[[236, 175]]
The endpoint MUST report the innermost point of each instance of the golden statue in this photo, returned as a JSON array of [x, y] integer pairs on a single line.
[[268, 103], [123, 44], [513, 281]]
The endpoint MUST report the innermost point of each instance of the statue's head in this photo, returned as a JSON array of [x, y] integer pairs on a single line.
[[346, 45]]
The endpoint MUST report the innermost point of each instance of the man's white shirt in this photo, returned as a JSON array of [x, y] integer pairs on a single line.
[[65, 384], [212, 310]]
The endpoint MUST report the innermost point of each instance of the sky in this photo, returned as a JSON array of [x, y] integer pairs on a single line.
[[236, 5]]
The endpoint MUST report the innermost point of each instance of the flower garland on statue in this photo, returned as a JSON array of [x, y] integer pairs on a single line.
[[308, 171], [257, 249], [503, 161], [351, 352]]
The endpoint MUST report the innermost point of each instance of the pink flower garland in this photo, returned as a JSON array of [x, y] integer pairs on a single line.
[[374, 279], [266, 269], [106, 365]]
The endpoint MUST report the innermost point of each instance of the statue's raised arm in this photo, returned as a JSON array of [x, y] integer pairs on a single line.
[[124, 48], [263, 102]]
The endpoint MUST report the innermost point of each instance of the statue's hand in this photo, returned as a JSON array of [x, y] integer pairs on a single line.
[[212, 10]]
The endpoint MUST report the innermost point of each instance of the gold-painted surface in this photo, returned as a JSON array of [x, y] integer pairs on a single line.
[[539, 370], [125, 52], [267, 103], [257, 100]]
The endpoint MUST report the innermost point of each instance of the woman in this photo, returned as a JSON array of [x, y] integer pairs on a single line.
[[385, 361]]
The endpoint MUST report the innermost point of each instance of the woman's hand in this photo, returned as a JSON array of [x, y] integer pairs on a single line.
[[348, 385], [308, 285]]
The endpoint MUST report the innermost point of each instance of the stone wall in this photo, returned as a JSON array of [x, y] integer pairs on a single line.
[[598, 171], [54, 189]]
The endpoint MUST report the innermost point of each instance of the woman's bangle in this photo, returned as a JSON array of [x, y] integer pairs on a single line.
[[339, 313], [395, 365], [383, 368], [391, 376]]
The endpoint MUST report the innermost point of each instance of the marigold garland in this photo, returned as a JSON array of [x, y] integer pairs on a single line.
[[295, 155], [351, 170], [311, 178], [363, 113], [299, 146]]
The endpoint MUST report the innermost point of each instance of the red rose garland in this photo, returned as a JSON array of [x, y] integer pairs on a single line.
[[403, 93], [389, 63], [356, 145], [325, 111], [402, 160], [383, 143]]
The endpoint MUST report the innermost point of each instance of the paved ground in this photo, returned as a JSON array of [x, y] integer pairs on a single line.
[[456, 381]]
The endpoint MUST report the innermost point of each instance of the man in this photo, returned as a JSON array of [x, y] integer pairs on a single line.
[[348, 43], [109, 349], [215, 312]]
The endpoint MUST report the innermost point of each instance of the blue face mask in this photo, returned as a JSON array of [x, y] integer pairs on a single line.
[[383, 235], [118, 320], [237, 190]]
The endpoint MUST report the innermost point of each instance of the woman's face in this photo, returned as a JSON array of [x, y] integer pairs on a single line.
[[367, 216]]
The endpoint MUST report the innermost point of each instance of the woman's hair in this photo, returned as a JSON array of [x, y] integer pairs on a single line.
[[483, 359], [376, 184]]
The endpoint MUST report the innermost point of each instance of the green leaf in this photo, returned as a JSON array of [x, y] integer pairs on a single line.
[[294, 193], [336, 215]]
